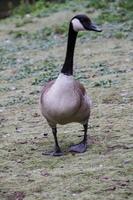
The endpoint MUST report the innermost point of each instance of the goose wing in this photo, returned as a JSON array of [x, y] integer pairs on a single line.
[[46, 88], [80, 88]]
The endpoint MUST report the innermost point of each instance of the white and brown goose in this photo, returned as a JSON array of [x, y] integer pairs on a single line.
[[64, 100]]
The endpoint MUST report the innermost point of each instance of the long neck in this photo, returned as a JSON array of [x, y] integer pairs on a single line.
[[68, 64]]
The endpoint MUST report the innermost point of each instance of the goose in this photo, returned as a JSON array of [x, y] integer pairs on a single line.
[[65, 100]]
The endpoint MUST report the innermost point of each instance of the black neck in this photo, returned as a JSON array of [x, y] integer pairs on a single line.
[[68, 64]]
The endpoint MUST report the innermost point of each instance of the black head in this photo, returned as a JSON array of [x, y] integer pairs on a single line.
[[82, 22]]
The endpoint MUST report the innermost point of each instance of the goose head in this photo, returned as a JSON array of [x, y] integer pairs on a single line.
[[82, 22]]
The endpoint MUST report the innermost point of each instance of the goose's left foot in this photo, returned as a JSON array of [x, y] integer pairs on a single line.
[[82, 146], [78, 148]]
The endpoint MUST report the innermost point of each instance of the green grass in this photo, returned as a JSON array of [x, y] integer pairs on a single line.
[[32, 52], [119, 35], [23, 22], [50, 72], [61, 29], [19, 34], [111, 11], [40, 8], [99, 4]]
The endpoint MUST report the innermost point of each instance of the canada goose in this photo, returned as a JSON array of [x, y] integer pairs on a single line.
[[64, 100]]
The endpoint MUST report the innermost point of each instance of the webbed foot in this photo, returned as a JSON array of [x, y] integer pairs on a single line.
[[53, 153], [78, 148]]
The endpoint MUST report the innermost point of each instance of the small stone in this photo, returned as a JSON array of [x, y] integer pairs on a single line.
[[74, 194], [35, 115], [19, 161], [18, 130], [126, 161], [44, 173], [33, 149], [45, 134], [13, 88]]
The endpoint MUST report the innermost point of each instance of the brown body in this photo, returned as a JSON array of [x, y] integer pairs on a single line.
[[64, 101]]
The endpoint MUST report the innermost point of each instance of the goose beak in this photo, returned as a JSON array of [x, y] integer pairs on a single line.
[[93, 27]]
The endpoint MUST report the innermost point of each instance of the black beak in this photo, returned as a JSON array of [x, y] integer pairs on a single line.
[[93, 27]]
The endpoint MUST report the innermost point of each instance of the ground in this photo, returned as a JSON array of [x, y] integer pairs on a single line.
[[32, 50]]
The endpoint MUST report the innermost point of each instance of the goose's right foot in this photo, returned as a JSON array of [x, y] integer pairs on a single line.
[[56, 152]]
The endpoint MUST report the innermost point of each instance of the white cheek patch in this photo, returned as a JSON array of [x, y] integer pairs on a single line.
[[77, 26]]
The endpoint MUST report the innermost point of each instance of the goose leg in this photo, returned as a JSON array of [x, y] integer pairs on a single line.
[[82, 146], [57, 151]]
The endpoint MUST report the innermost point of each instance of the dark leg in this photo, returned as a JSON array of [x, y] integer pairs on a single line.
[[57, 151], [82, 146]]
